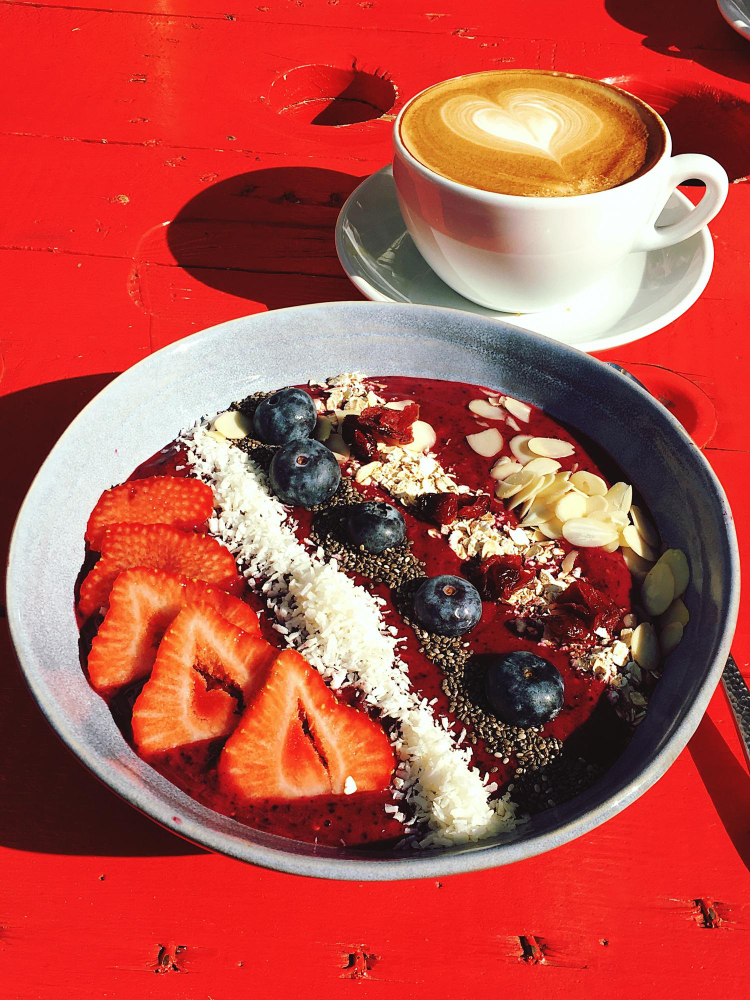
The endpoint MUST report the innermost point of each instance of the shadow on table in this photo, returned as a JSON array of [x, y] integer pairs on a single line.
[[49, 801], [247, 234], [726, 781], [694, 32]]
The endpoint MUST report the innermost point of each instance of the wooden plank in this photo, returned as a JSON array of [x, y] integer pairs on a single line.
[[218, 84], [620, 21]]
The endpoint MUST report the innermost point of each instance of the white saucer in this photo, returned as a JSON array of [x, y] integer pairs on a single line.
[[737, 15], [643, 294]]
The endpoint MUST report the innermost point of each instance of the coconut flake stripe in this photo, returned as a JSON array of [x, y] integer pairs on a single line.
[[339, 628]]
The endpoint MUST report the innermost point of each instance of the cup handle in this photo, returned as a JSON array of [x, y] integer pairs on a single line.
[[683, 167]]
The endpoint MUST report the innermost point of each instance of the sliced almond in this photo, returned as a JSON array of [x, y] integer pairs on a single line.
[[518, 445], [526, 492], [550, 447], [543, 466], [587, 533], [339, 447], [670, 638], [676, 612], [423, 437], [635, 540], [612, 546], [595, 503], [535, 511], [364, 472], [513, 484], [678, 565], [323, 429], [517, 408], [216, 435], [233, 425], [620, 496], [646, 528], [569, 561], [398, 404], [644, 646], [486, 443], [638, 566], [561, 479], [571, 505], [615, 517], [557, 488], [657, 590], [504, 467], [483, 408], [551, 529], [588, 483]]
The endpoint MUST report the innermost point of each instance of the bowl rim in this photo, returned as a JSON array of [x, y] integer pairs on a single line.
[[427, 865]]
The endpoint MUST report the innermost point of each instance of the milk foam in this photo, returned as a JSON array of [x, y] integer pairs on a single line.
[[545, 124], [531, 132]]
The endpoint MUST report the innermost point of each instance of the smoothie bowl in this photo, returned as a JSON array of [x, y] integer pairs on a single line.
[[370, 592]]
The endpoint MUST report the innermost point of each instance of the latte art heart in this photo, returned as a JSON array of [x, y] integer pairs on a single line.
[[534, 133], [547, 125]]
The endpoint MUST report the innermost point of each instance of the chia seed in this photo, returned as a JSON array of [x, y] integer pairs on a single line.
[[393, 567]]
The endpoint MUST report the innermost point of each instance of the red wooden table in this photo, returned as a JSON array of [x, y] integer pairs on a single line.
[[162, 171]]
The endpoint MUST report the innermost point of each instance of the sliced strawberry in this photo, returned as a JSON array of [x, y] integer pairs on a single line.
[[177, 706], [184, 503], [142, 604], [296, 739], [156, 546]]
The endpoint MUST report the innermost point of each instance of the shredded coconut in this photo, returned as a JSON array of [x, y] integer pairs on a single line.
[[339, 628]]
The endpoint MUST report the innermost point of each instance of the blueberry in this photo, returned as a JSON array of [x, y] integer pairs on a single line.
[[304, 473], [523, 689], [287, 415], [376, 526], [448, 605]]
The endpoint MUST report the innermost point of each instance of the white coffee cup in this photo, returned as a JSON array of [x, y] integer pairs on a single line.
[[524, 253]]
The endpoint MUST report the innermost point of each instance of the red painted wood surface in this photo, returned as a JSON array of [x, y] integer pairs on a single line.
[[159, 175]]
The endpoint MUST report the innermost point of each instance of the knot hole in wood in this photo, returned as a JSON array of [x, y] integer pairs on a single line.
[[327, 95]]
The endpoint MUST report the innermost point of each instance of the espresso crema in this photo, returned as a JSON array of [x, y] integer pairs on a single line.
[[532, 133]]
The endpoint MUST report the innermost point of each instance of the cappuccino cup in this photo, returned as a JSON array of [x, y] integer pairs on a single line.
[[521, 188]]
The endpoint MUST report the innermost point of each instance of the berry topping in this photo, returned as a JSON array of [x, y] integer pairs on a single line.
[[184, 503], [142, 605], [286, 415], [497, 577], [375, 526], [448, 605], [579, 611], [444, 508], [156, 546], [361, 441], [304, 473], [473, 505], [184, 700], [438, 508], [522, 688], [296, 739], [388, 425]]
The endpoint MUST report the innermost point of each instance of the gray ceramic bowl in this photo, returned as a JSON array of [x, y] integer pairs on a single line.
[[145, 407]]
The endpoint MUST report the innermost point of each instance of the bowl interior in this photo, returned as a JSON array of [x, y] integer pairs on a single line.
[[145, 408]]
